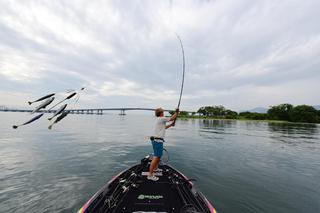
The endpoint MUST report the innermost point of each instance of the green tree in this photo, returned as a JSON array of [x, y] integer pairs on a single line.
[[203, 111], [259, 116], [218, 111], [231, 114], [253, 115], [245, 114], [304, 113], [171, 112], [183, 114], [280, 112]]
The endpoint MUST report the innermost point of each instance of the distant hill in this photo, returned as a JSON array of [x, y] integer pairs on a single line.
[[259, 110], [265, 110], [317, 107]]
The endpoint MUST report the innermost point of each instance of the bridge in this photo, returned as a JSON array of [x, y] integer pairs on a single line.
[[3, 108], [97, 111]]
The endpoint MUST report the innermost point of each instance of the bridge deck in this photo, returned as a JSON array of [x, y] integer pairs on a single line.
[[87, 110]]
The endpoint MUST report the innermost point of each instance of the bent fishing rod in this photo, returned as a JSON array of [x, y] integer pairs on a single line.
[[183, 74]]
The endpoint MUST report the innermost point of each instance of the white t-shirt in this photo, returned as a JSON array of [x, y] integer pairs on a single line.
[[160, 127]]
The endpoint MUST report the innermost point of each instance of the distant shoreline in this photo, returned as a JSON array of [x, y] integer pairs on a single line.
[[280, 113], [231, 119], [241, 119]]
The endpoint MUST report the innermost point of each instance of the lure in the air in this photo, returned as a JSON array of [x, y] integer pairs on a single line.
[[30, 121], [47, 100], [69, 97], [41, 99], [63, 114], [60, 110], [43, 105]]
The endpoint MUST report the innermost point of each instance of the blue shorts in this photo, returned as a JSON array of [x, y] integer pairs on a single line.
[[157, 148]]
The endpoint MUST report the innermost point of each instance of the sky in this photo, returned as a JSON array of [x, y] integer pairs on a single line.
[[240, 54]]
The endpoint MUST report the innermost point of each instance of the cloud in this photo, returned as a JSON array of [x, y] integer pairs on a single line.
[[238, 54], [123, 87]]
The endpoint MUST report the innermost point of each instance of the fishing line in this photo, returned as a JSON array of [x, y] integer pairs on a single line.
[[78, 95], [74, 93], [165, 158]]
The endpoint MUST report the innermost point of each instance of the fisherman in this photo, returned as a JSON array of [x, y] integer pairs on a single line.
[[158, 138]]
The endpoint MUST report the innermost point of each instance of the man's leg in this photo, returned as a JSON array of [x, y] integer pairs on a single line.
[[154, 164], [158, 149]]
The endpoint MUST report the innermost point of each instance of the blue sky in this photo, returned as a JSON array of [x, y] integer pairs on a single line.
[[240, 54]]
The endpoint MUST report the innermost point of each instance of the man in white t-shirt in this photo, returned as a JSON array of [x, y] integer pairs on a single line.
[[158, 138]]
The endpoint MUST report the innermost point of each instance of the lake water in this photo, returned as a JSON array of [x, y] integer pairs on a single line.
[[240, 166]]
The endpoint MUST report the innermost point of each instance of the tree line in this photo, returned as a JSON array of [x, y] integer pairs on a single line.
[[282, 112]]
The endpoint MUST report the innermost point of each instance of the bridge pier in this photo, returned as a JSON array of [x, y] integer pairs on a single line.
[[122, 112], [99, 112]]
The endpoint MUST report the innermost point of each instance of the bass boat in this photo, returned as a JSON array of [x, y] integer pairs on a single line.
[[131, 191]]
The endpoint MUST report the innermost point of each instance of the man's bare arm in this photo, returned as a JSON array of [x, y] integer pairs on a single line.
[[170, 125], [174, 116]]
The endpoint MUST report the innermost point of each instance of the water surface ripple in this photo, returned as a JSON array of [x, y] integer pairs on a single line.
[[241, 166]]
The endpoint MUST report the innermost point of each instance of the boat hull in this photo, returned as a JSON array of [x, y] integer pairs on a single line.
[[131, 191]]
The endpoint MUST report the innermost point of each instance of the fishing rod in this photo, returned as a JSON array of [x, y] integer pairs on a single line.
[[183, 74]]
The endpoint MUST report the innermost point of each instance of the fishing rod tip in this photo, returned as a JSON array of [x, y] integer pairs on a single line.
[[14, 126]]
